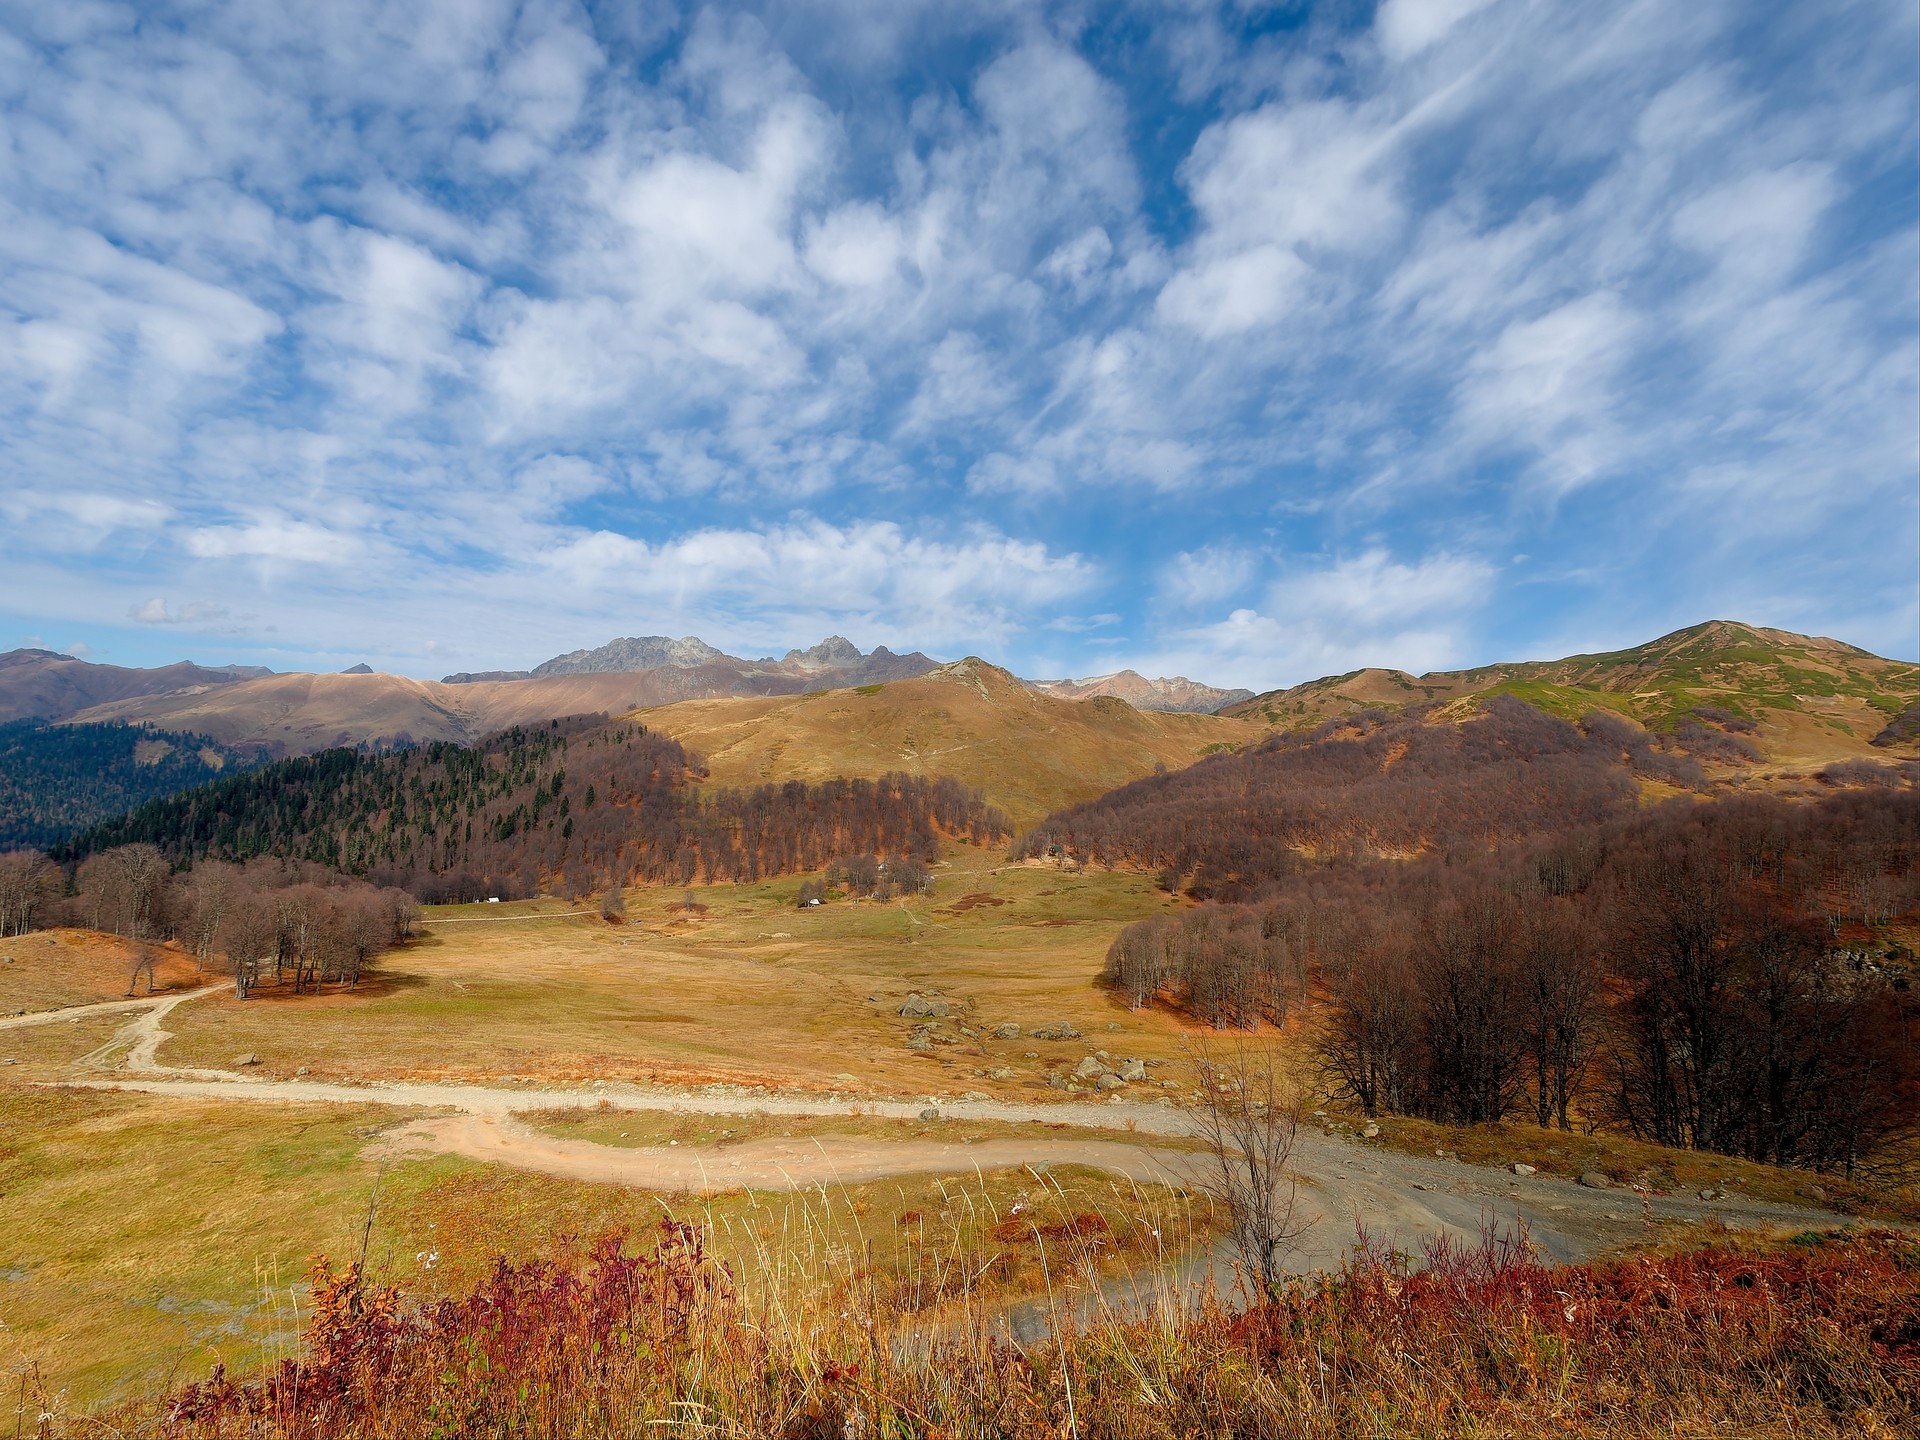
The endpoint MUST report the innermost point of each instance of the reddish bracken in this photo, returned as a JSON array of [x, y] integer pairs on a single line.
[[1820, 1337]]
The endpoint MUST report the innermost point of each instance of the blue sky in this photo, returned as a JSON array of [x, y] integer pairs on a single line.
[[1246, 342]]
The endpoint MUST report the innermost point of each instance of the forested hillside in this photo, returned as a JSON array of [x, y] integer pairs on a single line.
[[56, 779], [1734, 974], [1382, 784], [571, 804], [1498, 916]]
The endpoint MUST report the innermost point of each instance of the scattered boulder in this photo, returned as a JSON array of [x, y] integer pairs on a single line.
[[1057, 1080], [1108, 1082], [1372, 1132], [846, 1075], [930, 1113], [1520, 1169], [1000, 1072], [1594, 1180], [976, 1095], [247, 1059], [1817, 1193], [1059, 1030], [922, 1007], [920, 1041], [304, 1070], [1006, 1032], [1088, 1068], [1132, 1070]]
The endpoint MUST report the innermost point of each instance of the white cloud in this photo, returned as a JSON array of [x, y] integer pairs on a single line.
[[158, 612], [1407, 27], [375, 310], [1548, 384], [277, 538], [1321, 618]]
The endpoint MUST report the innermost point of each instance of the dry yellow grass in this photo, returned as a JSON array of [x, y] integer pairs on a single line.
[[49, 969], [147, 1239], [751, 989], [1030, 753]]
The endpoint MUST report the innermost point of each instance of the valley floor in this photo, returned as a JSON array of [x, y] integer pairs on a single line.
[[522, 1078]]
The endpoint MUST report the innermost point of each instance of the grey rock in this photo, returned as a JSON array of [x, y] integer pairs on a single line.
[[976, 1095], [1057, 1080], [917, 1007], [1059, 1030], [1006, 1032], [1594, 1180], [930, 1113], [1108, 1082], [1088, 1068], [1131, 1070], [1000, 1072], [1372, 1132], [247, 1059], [1520, 1169], [922, 1043], [846, 1075]]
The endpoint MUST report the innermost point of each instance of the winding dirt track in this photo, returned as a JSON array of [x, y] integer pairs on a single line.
[[1343, 1185]]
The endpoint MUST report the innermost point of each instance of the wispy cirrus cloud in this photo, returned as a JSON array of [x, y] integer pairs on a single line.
[[414, 330]]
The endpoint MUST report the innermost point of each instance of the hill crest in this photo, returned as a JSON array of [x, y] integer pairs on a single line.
[[1811, 699]]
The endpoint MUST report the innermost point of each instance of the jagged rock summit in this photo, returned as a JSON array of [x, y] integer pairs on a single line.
[[634, 652], [836, 652]]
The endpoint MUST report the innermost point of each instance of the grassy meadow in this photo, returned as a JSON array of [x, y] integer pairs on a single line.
[[743, 988]]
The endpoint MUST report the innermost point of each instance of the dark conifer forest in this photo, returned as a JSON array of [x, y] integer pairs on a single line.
[[571, 806], [56, 779]]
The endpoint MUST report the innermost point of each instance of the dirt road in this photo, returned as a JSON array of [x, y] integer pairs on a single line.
[[1344, 1183]]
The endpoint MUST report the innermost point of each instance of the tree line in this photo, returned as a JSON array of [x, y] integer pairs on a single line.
[[572, 806], [1726, 975], [311, 927]]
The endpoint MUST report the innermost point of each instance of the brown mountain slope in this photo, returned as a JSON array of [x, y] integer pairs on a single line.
[[44, 685], [1812, 700], [973, 721], [1167, 693], [298, 714]]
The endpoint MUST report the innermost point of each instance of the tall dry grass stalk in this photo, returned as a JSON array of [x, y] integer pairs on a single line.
[[814, 1337]]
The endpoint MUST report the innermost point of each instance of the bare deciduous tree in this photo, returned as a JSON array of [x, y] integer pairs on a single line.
[[248, 934], [209, 890], [1248, 1118], [23, 889]]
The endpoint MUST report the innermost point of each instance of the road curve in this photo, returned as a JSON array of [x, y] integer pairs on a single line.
[[1344, 1184], [768, 1164]]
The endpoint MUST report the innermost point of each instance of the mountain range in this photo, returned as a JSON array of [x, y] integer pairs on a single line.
[[835, 657], [1806, 700], [1780, 708]]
